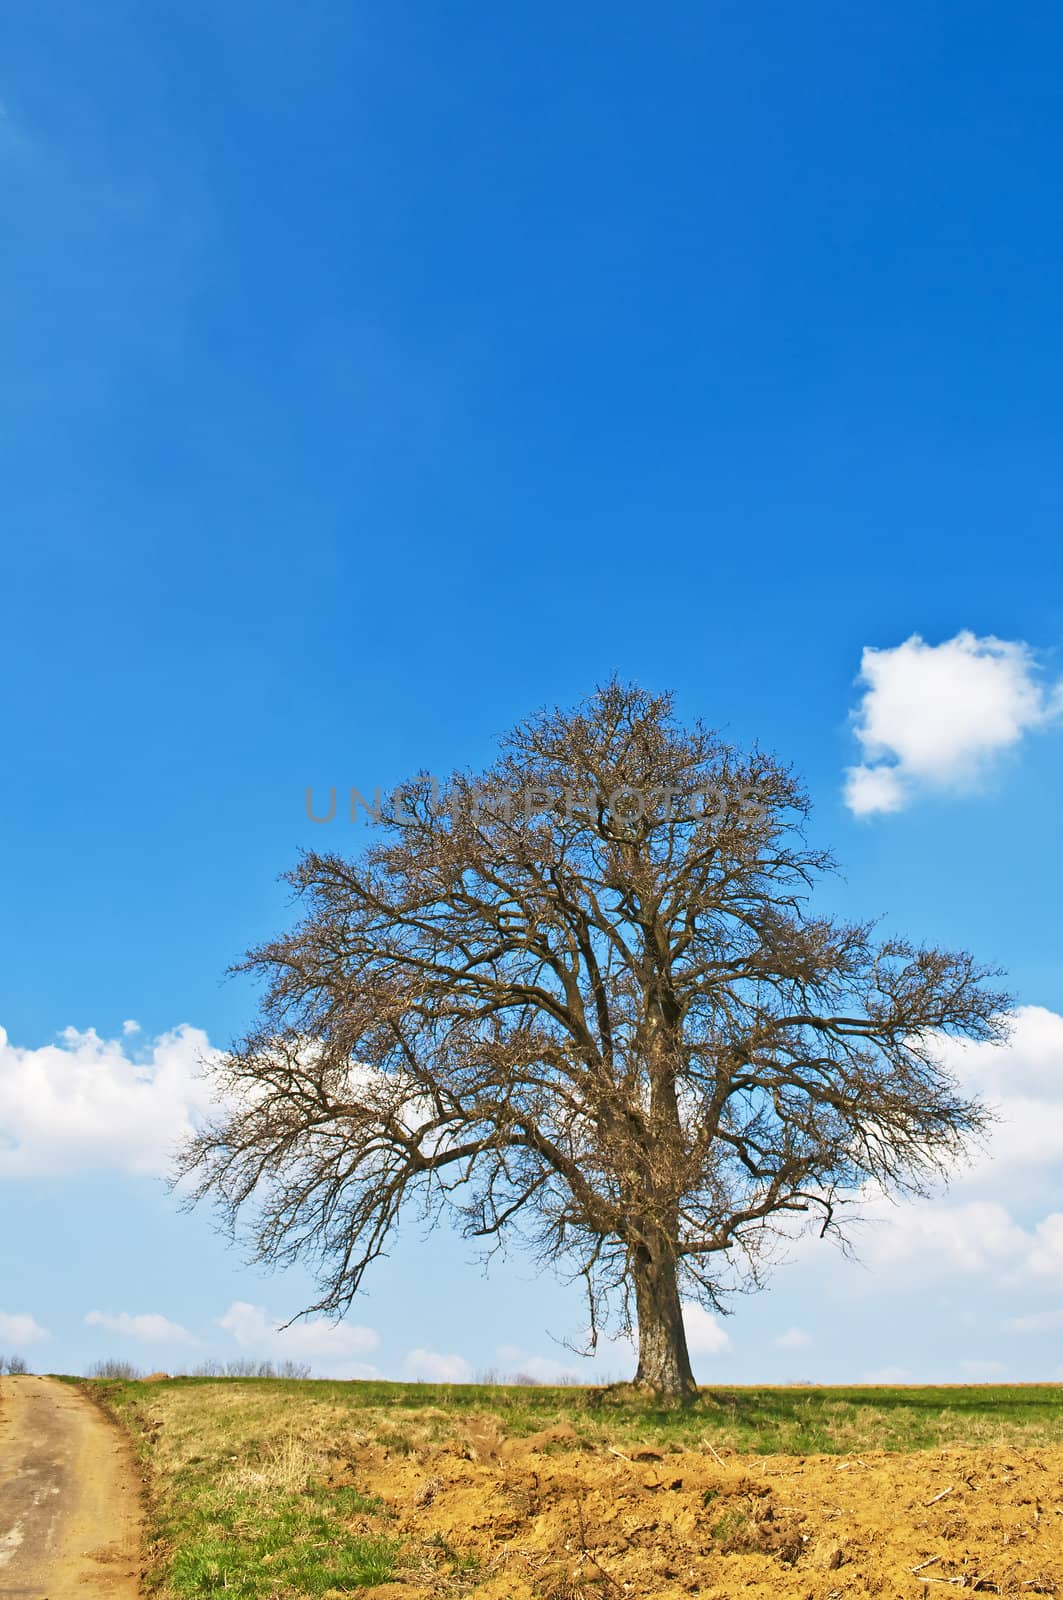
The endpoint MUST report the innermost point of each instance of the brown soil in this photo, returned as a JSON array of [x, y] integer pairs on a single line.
[[70, 1518], [554, 1522]]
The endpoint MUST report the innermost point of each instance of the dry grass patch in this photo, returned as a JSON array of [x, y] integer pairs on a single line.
[[280, 1490]]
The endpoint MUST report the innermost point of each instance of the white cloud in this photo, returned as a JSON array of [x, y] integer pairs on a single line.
[[926, 1238], [150, 1326], [1029, 1065], [333, 1349], [429, 1366], [921, 1244], [887, 1375], [869, 789], [794, 1339], [19, 1328], [544, 1368], [130, 1026], [84, 1104], [705, 1337], [937, 715]]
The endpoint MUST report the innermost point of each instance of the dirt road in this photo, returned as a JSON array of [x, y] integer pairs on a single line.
[[69, 1508]]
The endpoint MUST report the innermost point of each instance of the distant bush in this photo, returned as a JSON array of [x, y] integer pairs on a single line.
[[251, 1369], [15, 1365], [124, 1371]]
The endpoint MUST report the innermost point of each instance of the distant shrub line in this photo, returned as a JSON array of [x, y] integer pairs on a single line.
[[126, 1372], [122, 1371]]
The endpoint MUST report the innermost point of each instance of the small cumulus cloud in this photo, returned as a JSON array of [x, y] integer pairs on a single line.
[[517, 1362], [149, 1326], [794, 1339], [705, 1337], [431, 1366], [333, 1349], [937, 716], [870, 789], [19, 1328]]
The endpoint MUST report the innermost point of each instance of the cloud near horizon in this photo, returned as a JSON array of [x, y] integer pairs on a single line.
[[936, 717], [19, 1328], [431, 1366], [150, 1326], [1000, 1228], [332, 1349]]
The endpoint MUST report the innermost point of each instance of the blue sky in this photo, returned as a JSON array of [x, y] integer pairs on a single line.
[[375, 374]]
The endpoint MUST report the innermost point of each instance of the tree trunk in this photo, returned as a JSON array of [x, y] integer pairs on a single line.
[[664, 1362]]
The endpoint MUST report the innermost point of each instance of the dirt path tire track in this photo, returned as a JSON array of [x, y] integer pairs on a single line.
[[70, 1510]]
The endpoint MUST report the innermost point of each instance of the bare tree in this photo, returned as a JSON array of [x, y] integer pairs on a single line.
[[249, 1368], [580, 998], [114, 1367]]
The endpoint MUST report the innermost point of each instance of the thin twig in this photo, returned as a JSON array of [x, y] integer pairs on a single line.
[[940, 1496]]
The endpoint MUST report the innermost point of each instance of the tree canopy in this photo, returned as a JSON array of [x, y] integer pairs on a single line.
[[582, 999]]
